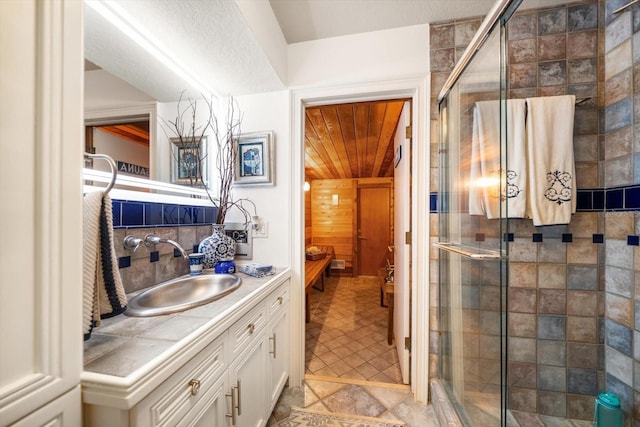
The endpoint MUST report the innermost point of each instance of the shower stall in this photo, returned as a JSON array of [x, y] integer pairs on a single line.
[[518, 304]]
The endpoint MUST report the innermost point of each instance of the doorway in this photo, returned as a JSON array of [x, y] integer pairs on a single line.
[[126, 140], [352, 152]]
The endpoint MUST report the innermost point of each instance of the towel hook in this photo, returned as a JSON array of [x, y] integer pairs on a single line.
[[112, 165]]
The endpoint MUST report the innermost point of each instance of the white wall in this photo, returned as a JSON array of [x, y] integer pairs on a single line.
[[104, 90], [369, 57], [270, 112], [119, 149]]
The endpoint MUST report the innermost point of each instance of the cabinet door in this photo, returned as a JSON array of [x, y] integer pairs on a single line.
[[248, 382], [212, 408], [278, 354], [62, 412], [185, 392]]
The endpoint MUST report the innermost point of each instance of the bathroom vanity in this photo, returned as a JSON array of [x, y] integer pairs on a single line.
[[222, 364]]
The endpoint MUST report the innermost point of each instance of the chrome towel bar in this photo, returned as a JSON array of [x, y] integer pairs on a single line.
[[112, 165]]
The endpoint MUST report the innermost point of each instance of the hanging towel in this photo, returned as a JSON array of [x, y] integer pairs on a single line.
[[551, 167], [103, 292], [494, 191]]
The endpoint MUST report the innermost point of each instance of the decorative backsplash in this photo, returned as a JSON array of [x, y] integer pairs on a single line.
[[128, 214], [617, 199]]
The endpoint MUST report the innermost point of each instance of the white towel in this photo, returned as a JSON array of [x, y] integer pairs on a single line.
[[103, 292], [551, 166], [493, 191]]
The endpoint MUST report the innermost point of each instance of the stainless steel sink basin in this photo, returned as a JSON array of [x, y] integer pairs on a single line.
[[182, 294]]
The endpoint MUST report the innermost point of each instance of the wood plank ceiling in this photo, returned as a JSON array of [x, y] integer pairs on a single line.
[[134, 131], [351, 140]]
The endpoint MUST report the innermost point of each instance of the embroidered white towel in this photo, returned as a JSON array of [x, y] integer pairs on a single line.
[[494, 191], [551, 166]]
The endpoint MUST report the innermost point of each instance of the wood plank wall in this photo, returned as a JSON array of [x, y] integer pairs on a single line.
[[333, 225], [337, 225], [307, 219]]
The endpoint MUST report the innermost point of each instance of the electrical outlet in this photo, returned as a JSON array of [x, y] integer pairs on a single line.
[[261, 229]]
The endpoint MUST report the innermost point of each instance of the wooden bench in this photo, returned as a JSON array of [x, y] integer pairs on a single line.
[[387, 293], [314, 272]]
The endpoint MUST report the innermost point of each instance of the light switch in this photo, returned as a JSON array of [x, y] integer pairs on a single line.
[[335, 200]]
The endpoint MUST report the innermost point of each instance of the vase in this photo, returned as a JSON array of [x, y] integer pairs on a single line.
[[217, 247]]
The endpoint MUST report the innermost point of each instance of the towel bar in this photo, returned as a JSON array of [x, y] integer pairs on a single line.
[[468, 251], [620, 9], [112, 165]]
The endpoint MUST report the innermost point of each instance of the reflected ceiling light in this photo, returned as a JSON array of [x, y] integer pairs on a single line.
[[487, 181], [307, 186], [127, 24]]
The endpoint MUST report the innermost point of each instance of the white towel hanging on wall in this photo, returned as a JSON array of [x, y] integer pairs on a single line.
[[550, 160], [494, 191]]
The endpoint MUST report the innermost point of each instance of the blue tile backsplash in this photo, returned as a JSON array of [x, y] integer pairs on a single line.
[[129, 214], [626, 198]]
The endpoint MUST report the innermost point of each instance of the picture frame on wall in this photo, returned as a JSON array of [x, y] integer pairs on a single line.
[[189, 162], [254, 164]]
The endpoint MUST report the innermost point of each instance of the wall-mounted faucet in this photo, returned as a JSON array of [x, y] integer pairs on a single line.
[[150, 239], [132, 243]]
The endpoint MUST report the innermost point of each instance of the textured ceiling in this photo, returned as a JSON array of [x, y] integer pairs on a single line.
[[240, 46], [212, 39], [304, 20]]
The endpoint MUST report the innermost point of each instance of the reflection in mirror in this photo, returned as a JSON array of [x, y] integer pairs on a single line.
[[126, 140], [133, 188]]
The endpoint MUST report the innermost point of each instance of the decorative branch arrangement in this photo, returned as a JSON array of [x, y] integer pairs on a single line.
[[192, 139]]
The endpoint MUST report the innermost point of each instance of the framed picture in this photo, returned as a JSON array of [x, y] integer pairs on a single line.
[[189, 162], [254, 162]]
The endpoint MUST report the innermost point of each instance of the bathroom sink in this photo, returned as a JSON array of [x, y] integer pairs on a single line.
[[182, 294]]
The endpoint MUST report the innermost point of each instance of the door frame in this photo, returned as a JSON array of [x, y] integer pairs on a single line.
[[417, 91]]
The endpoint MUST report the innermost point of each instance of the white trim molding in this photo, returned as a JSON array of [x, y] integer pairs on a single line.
[[416, 90], [41, 85]]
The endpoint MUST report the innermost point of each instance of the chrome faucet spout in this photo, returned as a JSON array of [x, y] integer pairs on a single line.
[[150, 239]]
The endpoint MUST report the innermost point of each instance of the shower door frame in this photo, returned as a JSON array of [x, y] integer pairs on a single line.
[[496, 20]]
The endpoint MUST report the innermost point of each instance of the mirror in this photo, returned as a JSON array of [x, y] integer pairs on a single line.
[[126, 88]]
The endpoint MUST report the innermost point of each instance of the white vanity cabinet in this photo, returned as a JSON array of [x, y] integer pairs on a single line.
[[174, 401], [247, 372], [233, 381], [278, 345]]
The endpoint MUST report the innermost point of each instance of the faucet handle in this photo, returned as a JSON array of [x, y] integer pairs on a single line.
[[151, 239], [131, 242]]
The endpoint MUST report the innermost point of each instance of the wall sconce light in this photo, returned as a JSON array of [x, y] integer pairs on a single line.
[[307, 186]]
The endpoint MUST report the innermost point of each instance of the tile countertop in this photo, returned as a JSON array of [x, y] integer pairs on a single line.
[[129, 347]]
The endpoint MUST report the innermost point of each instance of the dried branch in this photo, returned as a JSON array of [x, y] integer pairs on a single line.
[[191, 139]]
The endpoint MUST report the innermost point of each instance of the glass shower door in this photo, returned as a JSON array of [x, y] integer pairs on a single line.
[[472, 261]]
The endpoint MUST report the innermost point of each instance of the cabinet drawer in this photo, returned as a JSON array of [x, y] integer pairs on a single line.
[[175, 397], [245, 330], [278, 299]]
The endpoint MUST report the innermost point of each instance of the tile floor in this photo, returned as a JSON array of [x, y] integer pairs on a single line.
[[347, 335], [354, 397], [350, 368]]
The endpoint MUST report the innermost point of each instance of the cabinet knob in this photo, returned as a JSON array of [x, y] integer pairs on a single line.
[[195, 387], [280, 300], [251, 328]]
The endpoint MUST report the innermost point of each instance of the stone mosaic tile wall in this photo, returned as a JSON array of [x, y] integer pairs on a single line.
[[149, 266], [622, 167], [555, 299]]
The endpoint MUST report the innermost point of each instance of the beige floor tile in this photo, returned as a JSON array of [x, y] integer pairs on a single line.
[[323, 388]]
